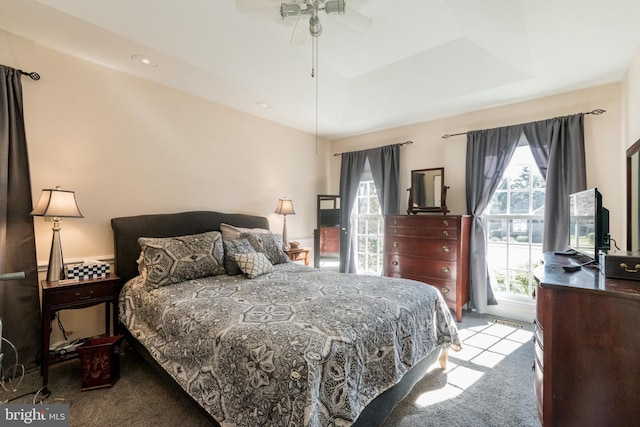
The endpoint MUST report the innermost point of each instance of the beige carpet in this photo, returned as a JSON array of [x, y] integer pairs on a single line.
[[488, 383]]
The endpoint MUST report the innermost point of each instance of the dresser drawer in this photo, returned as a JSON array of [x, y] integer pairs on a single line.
[[538, 384], [426, 233], [432, 249], [432, 268], [422, 227], [422, 221]]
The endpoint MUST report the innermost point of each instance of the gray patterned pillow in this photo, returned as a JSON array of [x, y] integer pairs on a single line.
[[232, 247], [268, 244], [254, 264], [168, 260]]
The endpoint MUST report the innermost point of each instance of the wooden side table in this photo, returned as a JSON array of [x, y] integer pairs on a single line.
[[58, 296], [298, 254]]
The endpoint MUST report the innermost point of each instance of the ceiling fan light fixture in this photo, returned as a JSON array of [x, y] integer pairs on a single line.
[[315, 28], [334, 7], [287, 9]]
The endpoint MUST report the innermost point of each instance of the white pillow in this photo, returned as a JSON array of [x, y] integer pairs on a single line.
[[231, 232]]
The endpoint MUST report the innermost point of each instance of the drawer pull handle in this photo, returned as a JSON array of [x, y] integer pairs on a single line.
[[445, 269], [444, 290], [445, 222], [445, 233], [395, 244], [445, 249], [394, 263], [627, 269], [78, 294], [395, 231]]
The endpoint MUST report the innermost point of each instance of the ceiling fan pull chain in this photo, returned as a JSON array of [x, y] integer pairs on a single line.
[[314, 56]]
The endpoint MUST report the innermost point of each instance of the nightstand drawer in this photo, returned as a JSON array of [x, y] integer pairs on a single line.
[[81, 292]]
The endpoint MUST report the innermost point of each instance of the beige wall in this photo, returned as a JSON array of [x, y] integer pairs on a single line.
[[631, 91], [127, 146], [605, 163]]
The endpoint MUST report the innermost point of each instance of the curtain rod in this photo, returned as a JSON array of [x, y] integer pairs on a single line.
[[33, 74], [595, 112], [401, 143]]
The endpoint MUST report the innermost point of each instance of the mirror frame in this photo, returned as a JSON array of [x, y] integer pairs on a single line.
[[631, 191], [443, 199]]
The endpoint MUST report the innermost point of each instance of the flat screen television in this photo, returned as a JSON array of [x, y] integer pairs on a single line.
[[588, 223]]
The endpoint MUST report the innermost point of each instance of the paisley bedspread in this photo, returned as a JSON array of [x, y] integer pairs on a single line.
[[296, 347]]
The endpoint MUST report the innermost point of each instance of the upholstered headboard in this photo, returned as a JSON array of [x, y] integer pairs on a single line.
[[126, 231]]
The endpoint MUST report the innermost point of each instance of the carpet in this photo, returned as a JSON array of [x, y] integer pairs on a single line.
[[488, 383]]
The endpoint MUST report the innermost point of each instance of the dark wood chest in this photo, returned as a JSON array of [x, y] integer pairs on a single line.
[[433, 249], [587, 347]]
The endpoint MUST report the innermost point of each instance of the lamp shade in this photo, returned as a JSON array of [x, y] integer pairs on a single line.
[[285, 207], [57, 203]]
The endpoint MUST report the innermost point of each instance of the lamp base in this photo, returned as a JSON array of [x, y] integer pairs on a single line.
[[55, 271], [284, 234]]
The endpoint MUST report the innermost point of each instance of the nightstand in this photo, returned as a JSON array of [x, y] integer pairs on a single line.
[[58, 296], [298, 254]]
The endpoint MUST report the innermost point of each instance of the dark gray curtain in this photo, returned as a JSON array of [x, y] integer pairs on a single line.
[[488, 155], [557, 145], [19, 299], [351, 170], [385, 169]]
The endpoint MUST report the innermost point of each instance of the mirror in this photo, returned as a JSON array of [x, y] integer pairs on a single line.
[[327, 234], [428, 192], [633, 197]]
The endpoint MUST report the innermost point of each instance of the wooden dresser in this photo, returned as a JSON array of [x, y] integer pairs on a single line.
[[587, 352], [433, 249], [330, 241]]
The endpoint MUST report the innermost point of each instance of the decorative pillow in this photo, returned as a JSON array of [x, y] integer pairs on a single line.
[[168, 260], [232, 247], [254, 264], [268, 244], [231, 232]]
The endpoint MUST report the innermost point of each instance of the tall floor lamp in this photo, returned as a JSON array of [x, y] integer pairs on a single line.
[[56, 204], [285, 207]]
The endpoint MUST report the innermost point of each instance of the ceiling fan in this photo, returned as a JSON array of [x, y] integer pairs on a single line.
[[312, 8]]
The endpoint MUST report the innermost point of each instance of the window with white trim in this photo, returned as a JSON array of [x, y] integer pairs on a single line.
[[514, 223], [368, 229]]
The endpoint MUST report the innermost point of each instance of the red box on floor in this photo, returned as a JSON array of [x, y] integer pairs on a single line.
[[100, 361]]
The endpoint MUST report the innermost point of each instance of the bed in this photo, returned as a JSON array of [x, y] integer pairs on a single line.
[[279, 344]]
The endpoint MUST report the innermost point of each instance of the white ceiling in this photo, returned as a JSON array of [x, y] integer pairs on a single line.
[[419, 60]]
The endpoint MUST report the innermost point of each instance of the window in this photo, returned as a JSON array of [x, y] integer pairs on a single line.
[[514, 226], [369, 230]]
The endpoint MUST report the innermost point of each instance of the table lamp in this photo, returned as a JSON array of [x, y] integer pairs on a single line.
[[284, 207], [56, 204]]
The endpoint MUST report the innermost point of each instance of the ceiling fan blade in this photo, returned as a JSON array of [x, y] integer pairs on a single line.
[[258, 5], [355, 20], [299, 35]]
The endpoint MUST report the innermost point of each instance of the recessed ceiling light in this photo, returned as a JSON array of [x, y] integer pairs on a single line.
[[144, 60], [263, 104]]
